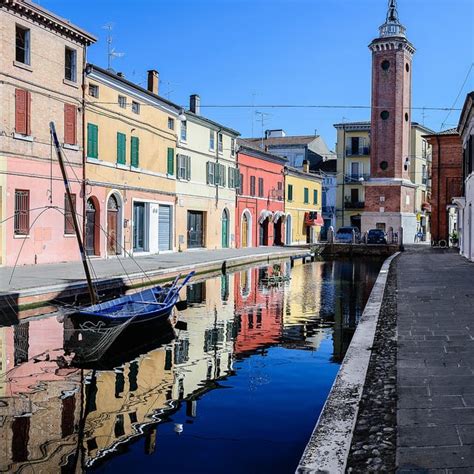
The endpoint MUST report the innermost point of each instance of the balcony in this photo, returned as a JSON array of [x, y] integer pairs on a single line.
[[354, 204], [361, 151], [358, 178]]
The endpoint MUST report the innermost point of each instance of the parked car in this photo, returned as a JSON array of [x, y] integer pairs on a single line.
[[376, 236], [344, 234]]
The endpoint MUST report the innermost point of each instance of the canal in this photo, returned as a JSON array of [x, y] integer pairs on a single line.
[[236, 386]]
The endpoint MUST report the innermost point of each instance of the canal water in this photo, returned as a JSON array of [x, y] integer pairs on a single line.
[[237, 389]]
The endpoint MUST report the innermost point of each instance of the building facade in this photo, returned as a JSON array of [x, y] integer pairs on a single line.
[[296, 149], [207, 178], [130, 191], [446, 184], [303, 199], [466, 201], [260, 210], [328, 171], [41, 82], [389, 193]]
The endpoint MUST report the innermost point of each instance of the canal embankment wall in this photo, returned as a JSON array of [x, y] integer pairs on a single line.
[[329, 445], [28, 288]]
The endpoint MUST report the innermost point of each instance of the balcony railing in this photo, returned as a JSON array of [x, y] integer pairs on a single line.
[[354, 204], [356, 178], [362, 151]]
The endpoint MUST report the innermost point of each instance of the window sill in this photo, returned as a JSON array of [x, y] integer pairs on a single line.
[[25, 138], [69, 236], [91, 159], [133, 168], [120, 166], [24, 66], [21, 237], [69, 146], [70, 83]]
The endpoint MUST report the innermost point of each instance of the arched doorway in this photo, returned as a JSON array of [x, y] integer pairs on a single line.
[[113, 226], [288, 230], [245, 231], [263, 232], [92, 227], [225, 229]]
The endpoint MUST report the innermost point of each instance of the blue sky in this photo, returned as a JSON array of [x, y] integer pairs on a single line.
[[311, 52]]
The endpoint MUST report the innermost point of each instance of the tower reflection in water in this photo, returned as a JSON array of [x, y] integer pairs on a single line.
[[56, 416]]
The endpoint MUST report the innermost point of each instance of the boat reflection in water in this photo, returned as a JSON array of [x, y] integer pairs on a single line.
[[253, 360]]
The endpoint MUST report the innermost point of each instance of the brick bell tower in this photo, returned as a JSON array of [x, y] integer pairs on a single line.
[[389, 193]]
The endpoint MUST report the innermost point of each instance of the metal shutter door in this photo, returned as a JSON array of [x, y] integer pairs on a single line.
[[164, 228]]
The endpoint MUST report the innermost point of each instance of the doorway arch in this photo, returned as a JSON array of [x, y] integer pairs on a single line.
[[225, 225], [92, 226], [246, 229], [114, 224]]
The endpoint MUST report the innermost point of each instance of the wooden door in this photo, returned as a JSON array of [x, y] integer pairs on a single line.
[[245, 231], [90, 228], [113, 247]]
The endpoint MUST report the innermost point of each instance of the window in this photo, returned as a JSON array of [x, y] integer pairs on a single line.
[[241, 184], [184, 167], [385, 65], [121, 148], [424, 147], [184, 130], [306, 195], [299, 158], [252, 185], [220, 143], [212, 138], [280, 191], [94, 90], [233, 178], [221, 175], [424, 177], [384, 114], [171, 123], [315, 196], [22, 44], [22, 112], [232, 146], [68, 221], [70, 64], [70, 124], [211, 172], [170, 161], [135, 107], [290, 192], [122, 102], [92, 140], [134, 152], [260, 187], [22, 212]]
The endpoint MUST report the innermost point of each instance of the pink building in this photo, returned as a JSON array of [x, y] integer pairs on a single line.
[[260, 201], [41, 76]]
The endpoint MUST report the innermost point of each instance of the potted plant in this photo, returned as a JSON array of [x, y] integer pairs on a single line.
[[454, 238]]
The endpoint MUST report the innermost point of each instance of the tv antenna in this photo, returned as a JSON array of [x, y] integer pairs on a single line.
[[263, 118], [111, 53]]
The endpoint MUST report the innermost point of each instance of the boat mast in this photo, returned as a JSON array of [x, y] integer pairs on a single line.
[[73, 213]]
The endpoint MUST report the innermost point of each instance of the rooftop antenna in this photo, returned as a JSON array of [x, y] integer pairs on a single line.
[[169, 88], [263, 118], [111, 53]]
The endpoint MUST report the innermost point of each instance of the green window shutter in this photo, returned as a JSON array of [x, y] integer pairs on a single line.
[[188, 168], [306, 195], [134, 152], [92, 140], [121, 155], [170, 168], [315, 196], [290, 192]]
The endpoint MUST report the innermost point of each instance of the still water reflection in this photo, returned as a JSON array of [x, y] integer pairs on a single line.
[[238, 390]]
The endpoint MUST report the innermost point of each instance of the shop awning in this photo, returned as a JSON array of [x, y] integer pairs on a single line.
[[264, 215], [313, 218], [278, 215]]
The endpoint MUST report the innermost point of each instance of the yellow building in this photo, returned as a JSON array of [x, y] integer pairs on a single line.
[[353, 168], [207, 177], [130, 165], [303, 200]]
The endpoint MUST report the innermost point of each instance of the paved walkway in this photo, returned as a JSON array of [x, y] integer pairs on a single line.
[[32, 276], [435, 362]]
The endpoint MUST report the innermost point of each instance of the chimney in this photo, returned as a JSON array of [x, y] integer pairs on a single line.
[[120, 74], [153, 81], [305, 166], [195, 104]]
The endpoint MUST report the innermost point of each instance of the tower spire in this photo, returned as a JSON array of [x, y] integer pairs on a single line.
[[392, 25]]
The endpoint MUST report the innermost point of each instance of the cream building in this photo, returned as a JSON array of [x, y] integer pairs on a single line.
[[207, 177]]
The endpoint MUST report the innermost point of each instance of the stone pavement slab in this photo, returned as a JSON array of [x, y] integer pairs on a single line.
[[435, 362]]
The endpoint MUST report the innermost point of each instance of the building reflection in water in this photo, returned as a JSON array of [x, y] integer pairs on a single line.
[[57, 417]]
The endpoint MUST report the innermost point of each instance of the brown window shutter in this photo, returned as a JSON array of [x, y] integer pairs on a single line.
[[21, 112], [28, 113], [70, 115]]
